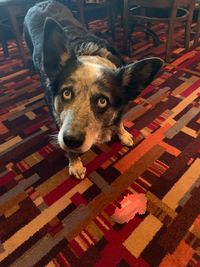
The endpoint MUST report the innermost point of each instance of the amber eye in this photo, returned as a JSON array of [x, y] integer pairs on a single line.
[[102, 102], [67, 93]]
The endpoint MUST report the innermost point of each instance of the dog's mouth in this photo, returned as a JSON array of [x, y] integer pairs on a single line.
[[79, 150], [82, 149]]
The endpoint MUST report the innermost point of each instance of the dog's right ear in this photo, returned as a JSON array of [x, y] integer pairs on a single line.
[[137, 76], [56, 51]]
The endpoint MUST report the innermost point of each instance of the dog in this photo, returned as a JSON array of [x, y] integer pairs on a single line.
[[87, 85]]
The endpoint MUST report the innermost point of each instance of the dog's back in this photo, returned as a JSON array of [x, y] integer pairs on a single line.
[[34, 24], [82, 41]]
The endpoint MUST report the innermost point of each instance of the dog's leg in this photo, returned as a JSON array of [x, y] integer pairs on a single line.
[[124, 136], [76, 167]]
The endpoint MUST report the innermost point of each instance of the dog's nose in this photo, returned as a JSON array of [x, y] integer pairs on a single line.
[[73, 141]]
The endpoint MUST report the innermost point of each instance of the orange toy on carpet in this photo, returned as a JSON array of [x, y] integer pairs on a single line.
[[130, 205]]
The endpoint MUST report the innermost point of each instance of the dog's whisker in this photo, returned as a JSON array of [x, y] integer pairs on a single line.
[[54, 139]]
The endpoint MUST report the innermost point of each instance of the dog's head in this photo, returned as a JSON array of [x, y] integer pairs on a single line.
[[89, 92]]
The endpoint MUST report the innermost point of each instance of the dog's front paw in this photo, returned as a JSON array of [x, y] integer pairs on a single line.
[[126, 139], [77, 169]]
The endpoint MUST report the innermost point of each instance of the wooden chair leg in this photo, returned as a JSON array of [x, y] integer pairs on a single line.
[[188, 32], [169, 40], [111, 17], [81, 12], [197, 31], [126, 25], [4, 46], [16, 31]]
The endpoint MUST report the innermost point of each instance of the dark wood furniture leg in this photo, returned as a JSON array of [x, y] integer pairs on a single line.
[[188, 28], [16, 31], [197, 30], [111, 17], [5, 48], [171, 26], [126, 20], [81, 12], [4, 45], [169, 40]]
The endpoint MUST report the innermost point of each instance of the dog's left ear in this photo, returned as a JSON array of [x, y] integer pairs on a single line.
[[56, 50], [135, 77]]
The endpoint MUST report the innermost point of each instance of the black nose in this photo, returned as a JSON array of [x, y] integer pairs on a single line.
[[73, 141]]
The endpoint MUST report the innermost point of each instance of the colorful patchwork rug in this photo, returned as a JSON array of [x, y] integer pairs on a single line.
[[48, 218]]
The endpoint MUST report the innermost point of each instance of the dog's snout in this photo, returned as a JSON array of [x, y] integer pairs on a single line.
[[73, 141]]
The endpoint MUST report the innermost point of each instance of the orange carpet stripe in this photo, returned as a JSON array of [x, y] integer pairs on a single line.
[[141, 149], [170, 149]]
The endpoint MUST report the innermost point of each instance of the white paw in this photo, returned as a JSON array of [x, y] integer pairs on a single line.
[[126, 139], [77, 169]]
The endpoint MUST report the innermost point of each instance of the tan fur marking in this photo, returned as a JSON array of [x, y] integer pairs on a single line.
[[126, 76], [64, 58]]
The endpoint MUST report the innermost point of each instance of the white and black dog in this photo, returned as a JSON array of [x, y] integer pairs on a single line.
[[87, 86]]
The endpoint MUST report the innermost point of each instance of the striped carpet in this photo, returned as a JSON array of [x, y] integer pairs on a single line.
[[50, 219]]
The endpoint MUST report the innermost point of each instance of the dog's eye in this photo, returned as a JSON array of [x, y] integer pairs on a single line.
[[67, 93], [102, 102]]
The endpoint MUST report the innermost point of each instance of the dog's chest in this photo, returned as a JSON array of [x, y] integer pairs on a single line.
[[106, 135]]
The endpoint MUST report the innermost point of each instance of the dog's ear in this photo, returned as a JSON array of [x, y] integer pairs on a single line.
[[135, 77], [56, 51]]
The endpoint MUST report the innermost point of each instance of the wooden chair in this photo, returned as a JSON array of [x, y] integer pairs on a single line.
[[14, 9], [178, 11]]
